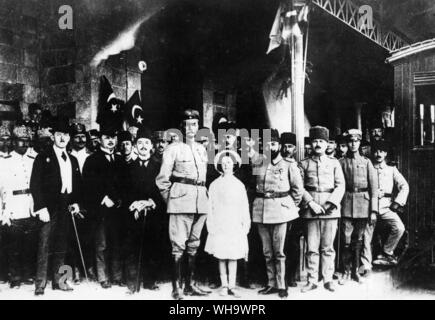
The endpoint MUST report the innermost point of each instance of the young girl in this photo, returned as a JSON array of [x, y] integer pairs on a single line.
[[228, 221]]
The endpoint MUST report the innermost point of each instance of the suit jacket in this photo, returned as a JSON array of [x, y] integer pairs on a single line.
[[46, 181], [359, 173], [141, 184], [102, 178]]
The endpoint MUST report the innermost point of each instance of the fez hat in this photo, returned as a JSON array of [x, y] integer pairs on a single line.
[[190, 114], [381, 145], [160, 135], [61, 124], [227, 153], [288, 137], [227, 125], [319, 132], [124, 136], [354, 133], [4, 131], [77, 128], [22, 132], [376, 123], [94, 132], [274, 135], [341, 138], [144, 132]]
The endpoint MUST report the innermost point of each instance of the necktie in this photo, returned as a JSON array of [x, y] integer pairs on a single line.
[[64, 156]]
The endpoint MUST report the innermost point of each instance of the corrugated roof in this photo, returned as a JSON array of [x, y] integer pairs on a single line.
[[411, 50]]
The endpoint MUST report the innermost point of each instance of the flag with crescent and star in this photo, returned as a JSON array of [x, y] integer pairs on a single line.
[[110, 108], [134, 114]]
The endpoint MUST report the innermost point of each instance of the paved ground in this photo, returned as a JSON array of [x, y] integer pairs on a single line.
[[378, 287]]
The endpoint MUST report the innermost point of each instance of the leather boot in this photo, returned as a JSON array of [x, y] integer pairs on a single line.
[[244, 276], [176, 278], [347, 265], [356, 262], [190, 288]]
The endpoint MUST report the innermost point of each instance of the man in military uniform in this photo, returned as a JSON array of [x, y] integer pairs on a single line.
[[160, 141], [79, 151], [292, 248], [324, 188], [181, 182], [360, 204], [55, 185], [342, 146], [5, 147], [331, 149], [17, 213], [93, 140], [279, 190], [390, 204]]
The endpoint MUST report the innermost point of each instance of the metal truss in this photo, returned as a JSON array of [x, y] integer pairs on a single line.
[[348, 12]]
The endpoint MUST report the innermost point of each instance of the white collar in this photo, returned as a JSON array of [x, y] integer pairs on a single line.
[[58, 151]]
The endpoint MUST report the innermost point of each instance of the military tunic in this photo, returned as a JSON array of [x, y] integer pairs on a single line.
[[181, 182], [279, 190]]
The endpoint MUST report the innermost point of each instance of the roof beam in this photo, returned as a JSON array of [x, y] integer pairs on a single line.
[[348, 12]]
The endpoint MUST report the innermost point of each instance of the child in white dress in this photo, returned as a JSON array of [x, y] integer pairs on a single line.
[[228, 221]]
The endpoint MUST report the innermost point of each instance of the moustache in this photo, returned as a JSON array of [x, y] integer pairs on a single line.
[[317, 148]]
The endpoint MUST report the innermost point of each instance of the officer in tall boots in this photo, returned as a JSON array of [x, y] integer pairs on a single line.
[[181, 182], [359, 206]]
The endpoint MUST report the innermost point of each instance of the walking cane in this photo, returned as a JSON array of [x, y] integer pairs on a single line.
[[80, 247], [140, 251]]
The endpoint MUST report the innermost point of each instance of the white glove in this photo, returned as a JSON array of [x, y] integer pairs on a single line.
[[5, 218], [317, 209], [152, 203], [74, 209], [43, 214], [107, 202]]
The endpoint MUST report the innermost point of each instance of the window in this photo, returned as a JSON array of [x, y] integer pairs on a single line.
[[425, 115]]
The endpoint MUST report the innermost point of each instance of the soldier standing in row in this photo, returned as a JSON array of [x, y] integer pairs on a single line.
[[360, 204], [181, 182], [55, 185], [17, 214], [390, 205], [160, 140], [324, 188], [125, 145], [79, 151], [279, 190]]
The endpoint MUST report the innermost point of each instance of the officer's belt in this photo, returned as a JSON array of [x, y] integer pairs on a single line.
[[272, 194], [20, 192], [318, 189], [355, 190], [188, 181]]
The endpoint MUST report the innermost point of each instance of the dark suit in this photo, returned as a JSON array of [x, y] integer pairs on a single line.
[[46, 187], [103, 178], [142, 186]]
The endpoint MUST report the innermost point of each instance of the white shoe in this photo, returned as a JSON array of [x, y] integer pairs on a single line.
[[223, 291]]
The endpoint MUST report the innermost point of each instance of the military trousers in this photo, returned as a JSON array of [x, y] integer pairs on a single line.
[[185, 232], [395, 228], [21, 248], [273, 239], [320, 235]]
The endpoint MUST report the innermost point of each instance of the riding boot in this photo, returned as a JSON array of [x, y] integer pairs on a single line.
[[356, 262], [190, 288], [176, 278], [347, 264]]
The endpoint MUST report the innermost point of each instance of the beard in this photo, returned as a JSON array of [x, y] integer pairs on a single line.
[[274, 154], [329, 152]]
